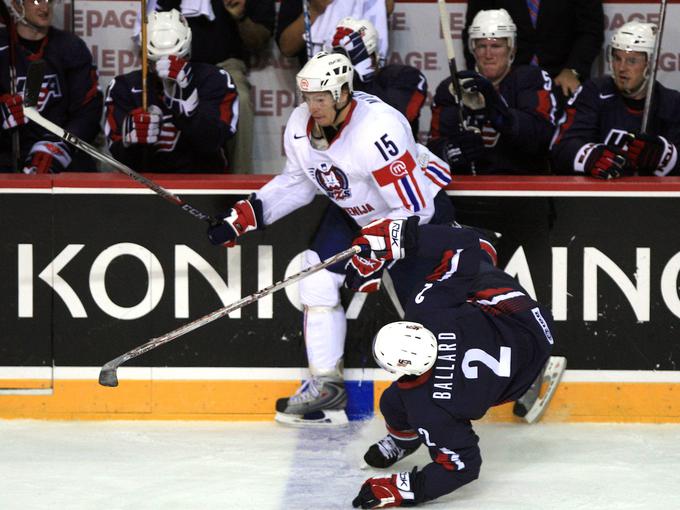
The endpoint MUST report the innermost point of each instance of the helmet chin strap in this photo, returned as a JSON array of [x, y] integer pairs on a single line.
[[634, 92], [338, 111], [318, 135], [20, 17]]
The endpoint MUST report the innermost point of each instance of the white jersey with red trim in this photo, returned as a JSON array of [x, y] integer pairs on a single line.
[[372, 169]]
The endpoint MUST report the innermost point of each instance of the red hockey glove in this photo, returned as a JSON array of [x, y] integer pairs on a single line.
[[388, 239], [392, 491], [363, 275], [142, 128], [12, 111], [605, 162], [47, 157], [645, 153], [246, 215], [175, 69], [180, 94]]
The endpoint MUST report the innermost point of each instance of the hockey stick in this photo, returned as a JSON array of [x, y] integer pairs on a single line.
[[107, 375], [308, 28], [145, 57], [451, 55], [13, 39], [453, 71], [388, 285], [654, 63], [32, 89]]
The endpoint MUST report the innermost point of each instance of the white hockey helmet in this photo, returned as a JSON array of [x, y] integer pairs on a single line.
[[634, 36], [326, 72], [368, 32], [405, 348], [492, 24], [168, 34]]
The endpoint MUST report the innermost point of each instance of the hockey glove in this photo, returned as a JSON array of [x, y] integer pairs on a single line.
[[471, 100], [464, 148], [388, 239], [179, 91], [605, 162], [352, 44], [246, 215], [174, 69], [12, 111], [495, 107], [646, 152], [386, 492], [142, 128], [47, 157], [364, 275]]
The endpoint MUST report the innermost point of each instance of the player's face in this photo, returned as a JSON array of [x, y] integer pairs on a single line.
[[493, 57], [629, 69], [321, 107], [39, 12]]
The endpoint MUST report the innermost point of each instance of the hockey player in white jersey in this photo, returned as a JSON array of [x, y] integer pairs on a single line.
[[361, 154]]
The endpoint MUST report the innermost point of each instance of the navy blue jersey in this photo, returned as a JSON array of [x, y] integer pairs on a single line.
[[70, 95], [187, 144], [400, 86], [493, 341], [524, 148], [599, 113]]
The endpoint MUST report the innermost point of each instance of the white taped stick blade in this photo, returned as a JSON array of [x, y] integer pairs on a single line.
[[533, 404]]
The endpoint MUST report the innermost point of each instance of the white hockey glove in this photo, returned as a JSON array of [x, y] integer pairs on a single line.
[[388, 239], [472, 100]]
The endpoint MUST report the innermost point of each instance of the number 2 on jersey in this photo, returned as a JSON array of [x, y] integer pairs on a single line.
[[386, 145], [500, 366]]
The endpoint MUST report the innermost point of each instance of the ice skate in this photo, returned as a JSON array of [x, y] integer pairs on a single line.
[[534, 402], [386, 452], [319, 402]]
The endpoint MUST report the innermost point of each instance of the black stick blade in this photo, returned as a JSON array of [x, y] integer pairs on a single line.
[[34, 79], [107, 377]]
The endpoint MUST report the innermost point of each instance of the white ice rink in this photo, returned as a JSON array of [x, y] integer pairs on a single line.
[[255, 465]]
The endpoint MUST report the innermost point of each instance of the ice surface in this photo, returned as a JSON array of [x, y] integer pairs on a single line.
[[256, 465]]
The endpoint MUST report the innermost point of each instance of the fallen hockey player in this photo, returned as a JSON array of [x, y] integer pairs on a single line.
[[473, 339]]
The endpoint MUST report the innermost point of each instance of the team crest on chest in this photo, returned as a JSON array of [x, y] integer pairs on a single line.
[[49, 88], [333, 181]]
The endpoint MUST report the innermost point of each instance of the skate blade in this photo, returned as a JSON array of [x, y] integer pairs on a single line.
[[320, 419], [551, 379]]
